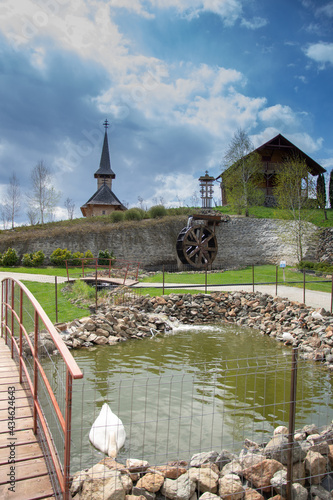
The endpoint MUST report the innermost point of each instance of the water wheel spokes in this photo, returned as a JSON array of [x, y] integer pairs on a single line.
[[197, 246]]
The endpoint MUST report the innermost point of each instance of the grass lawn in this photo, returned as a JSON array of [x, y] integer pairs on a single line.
[[262, 274], [315, 216], [48, 271], [46, 296]]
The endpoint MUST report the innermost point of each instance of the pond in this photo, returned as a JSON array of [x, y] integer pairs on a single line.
[[194, 389]]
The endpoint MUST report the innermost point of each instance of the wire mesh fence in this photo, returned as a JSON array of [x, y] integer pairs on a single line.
[[171, 413]]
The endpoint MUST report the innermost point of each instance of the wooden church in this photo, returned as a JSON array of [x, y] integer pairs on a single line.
[[104, 201]]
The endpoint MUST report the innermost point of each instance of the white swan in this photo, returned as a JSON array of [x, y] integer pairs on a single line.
[[316, 315], [107, 433], [286, 336]]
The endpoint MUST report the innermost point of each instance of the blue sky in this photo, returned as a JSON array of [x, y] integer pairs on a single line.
[[175, 79]]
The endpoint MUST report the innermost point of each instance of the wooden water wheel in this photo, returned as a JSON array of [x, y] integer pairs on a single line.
[[197, 246]]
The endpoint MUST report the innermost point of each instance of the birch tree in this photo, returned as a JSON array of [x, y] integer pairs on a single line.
[[12, 200], [294, 187], [43, 197], [243, 173]]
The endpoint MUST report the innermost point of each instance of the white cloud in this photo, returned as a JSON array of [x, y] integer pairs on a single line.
[[300, 139], [255, 23], [320, 52], [177, 190], [325, 10], [279, 116]]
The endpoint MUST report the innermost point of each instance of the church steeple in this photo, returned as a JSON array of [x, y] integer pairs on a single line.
[[104, 174]]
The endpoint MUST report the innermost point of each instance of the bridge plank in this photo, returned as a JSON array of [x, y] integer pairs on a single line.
[[32, 481]]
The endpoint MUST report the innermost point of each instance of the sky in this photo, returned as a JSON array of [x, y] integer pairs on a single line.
[[175, 79]]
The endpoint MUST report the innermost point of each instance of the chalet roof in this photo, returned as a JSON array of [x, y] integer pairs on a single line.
[[280, 142], [104, 196], [105, 165]]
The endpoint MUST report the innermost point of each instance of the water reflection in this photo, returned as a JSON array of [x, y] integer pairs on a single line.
[[194, 390]]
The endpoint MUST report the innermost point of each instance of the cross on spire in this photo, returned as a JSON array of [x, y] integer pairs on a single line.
[[106, 124]]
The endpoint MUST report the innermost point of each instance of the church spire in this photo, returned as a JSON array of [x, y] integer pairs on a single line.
[[105, 170]]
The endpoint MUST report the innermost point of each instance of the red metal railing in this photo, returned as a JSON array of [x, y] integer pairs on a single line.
[[20, 312], [111, 268]]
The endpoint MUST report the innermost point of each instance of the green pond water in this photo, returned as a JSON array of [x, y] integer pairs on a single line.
[[191, 390]]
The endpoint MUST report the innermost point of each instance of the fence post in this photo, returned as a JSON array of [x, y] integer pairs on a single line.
[[206, 278], [276, 279], [56, 297], [68, 429], [35, 384], [96, 289], [292, 414], [163, 281], [253, 278], [303, 286], [21, 341]]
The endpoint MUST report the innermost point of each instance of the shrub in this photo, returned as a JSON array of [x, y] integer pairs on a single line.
[[76, 259], [133, 214], [305, 264], [10, 258], [33, 259], [117, 216], [104, 256], [80, 290], [59, 256], [0, 259], [38, 258], [89, 255], [157, 211]]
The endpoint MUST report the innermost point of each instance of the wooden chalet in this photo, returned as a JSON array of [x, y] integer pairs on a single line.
[[103, 201], [273, 154]]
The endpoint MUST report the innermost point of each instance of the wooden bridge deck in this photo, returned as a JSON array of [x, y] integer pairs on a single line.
[[29, 472]]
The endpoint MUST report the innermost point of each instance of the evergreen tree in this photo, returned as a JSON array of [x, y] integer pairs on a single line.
[[321, 191], [331, 189]]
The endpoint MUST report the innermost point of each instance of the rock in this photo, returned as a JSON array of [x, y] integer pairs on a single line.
[[279, 482], [151, 482], [315, 466], [231, 488], [110, 487], [260, 475], [251, 494], [179, 489], [209, 496], [135, 465], [319, 492], [299, 492], [138, 492], [281, 430], [277, 449], [203, 458], [233, 467], [170, 471], [206, 479]]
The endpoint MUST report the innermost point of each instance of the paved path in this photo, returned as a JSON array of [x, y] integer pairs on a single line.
[[312, 298]]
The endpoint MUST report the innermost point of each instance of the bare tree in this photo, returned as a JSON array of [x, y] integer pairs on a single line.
[[242, 173], [70, 206], [4, 215], [294, 189], [32, 216], [13, 199], [43, 197]]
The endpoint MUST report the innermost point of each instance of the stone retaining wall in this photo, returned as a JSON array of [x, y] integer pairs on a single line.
[[241, 241]]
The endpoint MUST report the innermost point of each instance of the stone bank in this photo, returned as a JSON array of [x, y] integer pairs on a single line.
[[241, 241]]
